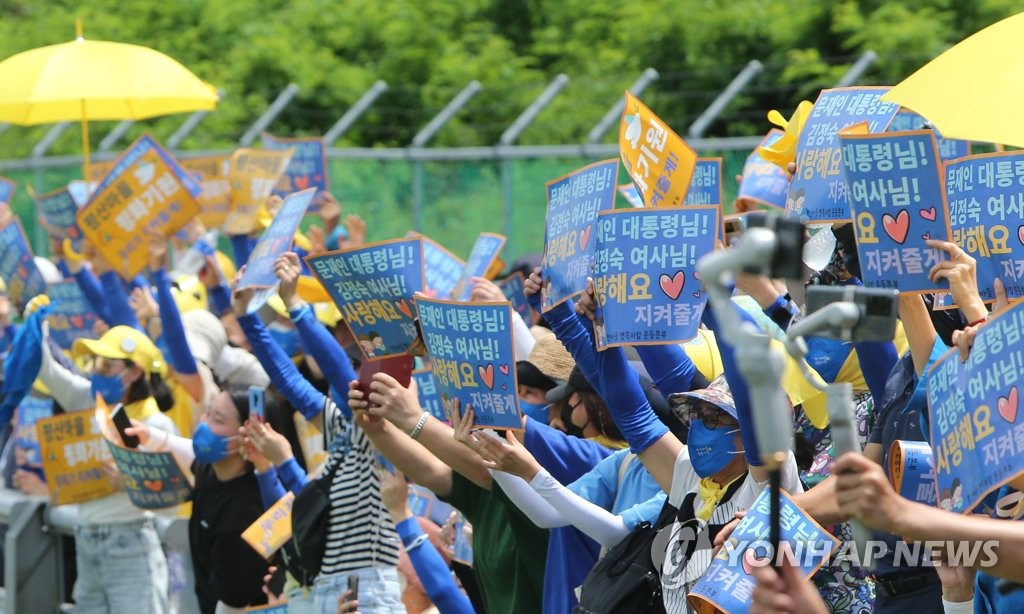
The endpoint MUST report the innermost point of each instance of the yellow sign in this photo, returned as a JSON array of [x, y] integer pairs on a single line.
[[273, 529], [311, 439], [99, 170], [660, 163], [215, 199], [73, 453], [147, 191], [253, 175]]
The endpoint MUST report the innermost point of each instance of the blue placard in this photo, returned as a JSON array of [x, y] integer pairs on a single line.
[[471, 354], [135, 151], [728, 582], [487, 247], [645, 269], [632, 195], [424, 503], [152, 480], [898, 202], [763, 181], [17, 267], [463, 548], [31, 409], [912, 471], [706, 184], [58, 209], [71, 316], [443, 268], [986, 213], [513, 289], [276, 240], [373, 287], [308, 166], [949, 149], [976, 430], [818, 192], [429, 396], [574, 200], [7, 187]]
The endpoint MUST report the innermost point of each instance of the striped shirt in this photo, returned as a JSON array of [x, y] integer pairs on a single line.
[[360, 532]]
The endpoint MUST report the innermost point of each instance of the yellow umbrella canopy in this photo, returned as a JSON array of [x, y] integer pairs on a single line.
[[97, 80], [973, 90]]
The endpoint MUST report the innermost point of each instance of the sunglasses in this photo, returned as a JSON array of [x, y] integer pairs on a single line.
[[711, 417]]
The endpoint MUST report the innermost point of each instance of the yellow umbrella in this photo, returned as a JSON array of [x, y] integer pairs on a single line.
[[97, 80], [973, 90]]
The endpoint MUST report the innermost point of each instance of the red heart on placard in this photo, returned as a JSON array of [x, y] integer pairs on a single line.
[[1008, 406], [301, 182], [77, 321], [503, 369], [585, 237], [897, 227], [404, 308], [154, 485], [1020, 234], [926, 236], [487, 375], [672, 286], [928, 214]]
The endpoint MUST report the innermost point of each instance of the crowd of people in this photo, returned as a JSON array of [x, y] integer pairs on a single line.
[[616, 446]]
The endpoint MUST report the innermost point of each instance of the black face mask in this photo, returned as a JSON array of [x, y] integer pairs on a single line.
[[570, 428]]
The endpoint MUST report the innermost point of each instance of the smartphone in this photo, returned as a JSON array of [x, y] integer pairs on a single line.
[[734, 227], [353, 587], [256, 394], [398, 367], [121, 421]]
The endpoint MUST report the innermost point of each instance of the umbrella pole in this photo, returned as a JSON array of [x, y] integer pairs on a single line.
[[85, 145]]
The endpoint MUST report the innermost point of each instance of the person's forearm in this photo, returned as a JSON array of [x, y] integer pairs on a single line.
[[526, 499], [271, 489], [324, 348], [669, 366], [564, 456], [876, 361], [292, 475], [114, 296], [93, 292], [412, 459], [596, 522], [241, 247], [439, 439], [1003, 540], [283, 373], [181, 357], [820, 502], [522, 338], [431, 570], [919, 328]]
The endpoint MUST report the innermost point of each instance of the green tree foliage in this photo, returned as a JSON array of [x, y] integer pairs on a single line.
[[427, 50]]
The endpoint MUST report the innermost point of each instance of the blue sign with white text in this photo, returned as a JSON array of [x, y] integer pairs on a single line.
[[706, 184], [818, 192], [71, 317], [373, 287], [898, 203], [949, 149], [429, 396], [31, 409], [487, 247], [471, 354], [645, 267], [17, 268], [443, 269], [976, 430], [307, 168], [574, 200], [512, 288]]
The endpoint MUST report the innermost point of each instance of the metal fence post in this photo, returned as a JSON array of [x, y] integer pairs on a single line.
[[424, 136], [115, 135], [858, 69], [347, 120], [509, 138], [275, 108], [597, 132], [740, 81], [189, 125]]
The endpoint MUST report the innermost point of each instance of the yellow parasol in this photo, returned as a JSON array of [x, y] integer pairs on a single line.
[[973, 90], [97, 80]]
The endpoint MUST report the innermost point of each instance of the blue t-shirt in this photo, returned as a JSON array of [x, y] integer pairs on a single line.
[[591, 471], [902, 417], [988, 599], [826, 356]]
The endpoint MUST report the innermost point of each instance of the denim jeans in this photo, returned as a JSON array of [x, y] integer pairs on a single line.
[[379, 592], [121, 568], [300, 601]]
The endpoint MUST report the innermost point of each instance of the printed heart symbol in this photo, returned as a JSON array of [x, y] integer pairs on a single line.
[[154, 485], [928, 214], [672, 286], [751, 561], [301, 182], [77, 321], [696, 294], [1008, 406], [503, 369], [585, 237], [487, 375], [405, 309], [1020, 234], [926, 236], [897, 227]]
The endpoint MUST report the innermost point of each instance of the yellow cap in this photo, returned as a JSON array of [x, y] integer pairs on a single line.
[[189, 293], [327, 313], [703, 351], [123, 343], [312, 291]]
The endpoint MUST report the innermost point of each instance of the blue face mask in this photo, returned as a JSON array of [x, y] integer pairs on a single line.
[[710, 449], [209, 446], [287, 338], [110, 387], [537, 411]]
